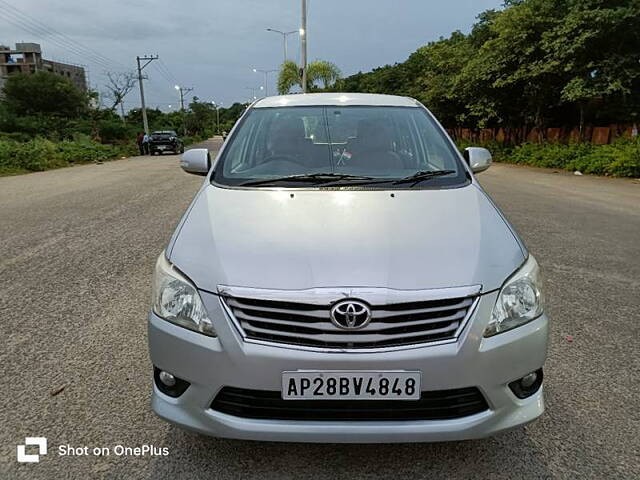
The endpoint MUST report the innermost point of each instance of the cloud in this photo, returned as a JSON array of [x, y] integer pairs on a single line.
[[213, 45]]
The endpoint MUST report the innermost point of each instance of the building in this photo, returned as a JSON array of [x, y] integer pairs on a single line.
[[27, 58]]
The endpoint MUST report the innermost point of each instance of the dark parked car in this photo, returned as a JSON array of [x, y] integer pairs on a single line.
[[165, 141]]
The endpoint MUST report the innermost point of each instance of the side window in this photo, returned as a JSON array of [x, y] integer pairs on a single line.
[[405, 140], [435, 153]]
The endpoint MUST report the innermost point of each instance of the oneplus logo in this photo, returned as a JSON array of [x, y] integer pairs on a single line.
[[40, 442]]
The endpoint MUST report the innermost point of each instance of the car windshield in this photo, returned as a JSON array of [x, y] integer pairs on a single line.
[[383, 147]]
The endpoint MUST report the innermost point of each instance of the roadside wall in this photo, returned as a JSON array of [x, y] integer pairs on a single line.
[[598, 135]]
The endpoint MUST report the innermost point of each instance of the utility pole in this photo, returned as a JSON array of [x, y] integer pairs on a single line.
[[303, 46], [148, 59], [183, 91]]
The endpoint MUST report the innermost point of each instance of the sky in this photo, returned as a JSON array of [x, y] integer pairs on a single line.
[[213, 46]]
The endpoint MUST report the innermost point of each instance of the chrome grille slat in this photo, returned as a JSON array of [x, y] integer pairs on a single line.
[[330, 327], [284, 319], [319, 313], [382, 312], [349, 337]]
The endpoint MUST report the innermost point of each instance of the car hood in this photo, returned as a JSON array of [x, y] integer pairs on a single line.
[[299, 239]]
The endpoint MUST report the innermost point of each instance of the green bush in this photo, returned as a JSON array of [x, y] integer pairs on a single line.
[[115, 130], [619, 159], [41, 154]]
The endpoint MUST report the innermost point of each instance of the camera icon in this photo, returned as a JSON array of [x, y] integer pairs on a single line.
[[24, 457]]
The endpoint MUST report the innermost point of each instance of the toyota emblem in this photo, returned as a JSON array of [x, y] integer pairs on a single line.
[[350, 314]]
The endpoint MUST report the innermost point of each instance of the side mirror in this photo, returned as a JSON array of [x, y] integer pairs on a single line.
[[196, 161], [479, 159]]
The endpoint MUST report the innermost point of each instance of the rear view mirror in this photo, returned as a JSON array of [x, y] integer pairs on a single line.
[[196, 161], [479, 159]]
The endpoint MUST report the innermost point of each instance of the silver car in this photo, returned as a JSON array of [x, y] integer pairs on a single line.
[[341, 276]]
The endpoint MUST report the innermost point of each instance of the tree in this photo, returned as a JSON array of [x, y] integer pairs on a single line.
[[512, 74], [229, 116], [200, 117], [318, 72], [436, 70], [536, 63], [119, 85], [598, 47], [43, 93], [323, 72], [288, 77]]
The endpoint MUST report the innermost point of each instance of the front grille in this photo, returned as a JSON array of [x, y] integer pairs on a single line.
[[309, 324], [434, 405]]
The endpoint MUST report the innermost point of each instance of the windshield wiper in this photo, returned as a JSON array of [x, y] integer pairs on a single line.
[[423, 175], [315, 178]]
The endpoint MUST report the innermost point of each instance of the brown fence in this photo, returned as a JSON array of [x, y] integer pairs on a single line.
[[598, 135]]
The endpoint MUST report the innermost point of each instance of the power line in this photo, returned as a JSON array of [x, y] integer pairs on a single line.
[[62, 36], [16, 21], [164, 75], [171, 75], [23, 21]]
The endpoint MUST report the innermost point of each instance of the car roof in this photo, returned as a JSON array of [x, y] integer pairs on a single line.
[[343, 99]]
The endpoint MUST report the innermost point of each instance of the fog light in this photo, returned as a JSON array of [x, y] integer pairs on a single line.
[[528, 385], [168, 379], [168, 383]]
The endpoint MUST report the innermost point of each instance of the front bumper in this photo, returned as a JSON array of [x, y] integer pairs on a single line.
[[212, 363]]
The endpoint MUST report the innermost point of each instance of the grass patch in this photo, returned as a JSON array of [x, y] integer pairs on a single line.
[[41, 154], [619, 159]]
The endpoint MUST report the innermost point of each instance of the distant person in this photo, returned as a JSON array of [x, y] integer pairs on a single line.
[[145, 144], [139, 140]]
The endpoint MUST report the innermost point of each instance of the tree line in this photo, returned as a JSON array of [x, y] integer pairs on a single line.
[[49, 106], [46, 122], [535, 63]]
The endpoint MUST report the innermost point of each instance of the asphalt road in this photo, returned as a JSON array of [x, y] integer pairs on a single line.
[[77, 250]]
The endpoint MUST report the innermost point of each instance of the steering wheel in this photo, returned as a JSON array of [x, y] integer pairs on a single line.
[[285, 157]]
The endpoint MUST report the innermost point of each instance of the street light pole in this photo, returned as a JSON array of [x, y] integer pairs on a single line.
[[253, 93], [177, 87], [148, 59], [284, 39], [266, 76], [183, 91], [217, 116], [303, 46]]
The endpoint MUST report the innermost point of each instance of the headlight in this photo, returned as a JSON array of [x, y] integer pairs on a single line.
[[520, 300], [176, 300]]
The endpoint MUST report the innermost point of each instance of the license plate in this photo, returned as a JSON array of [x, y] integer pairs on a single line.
[[350, 385], [161, 147]]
